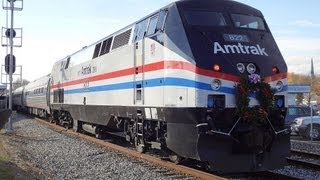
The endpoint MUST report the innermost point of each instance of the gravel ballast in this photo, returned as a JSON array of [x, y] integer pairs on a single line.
[[59, 156], [300, 172], [307, 146], [54, 155]]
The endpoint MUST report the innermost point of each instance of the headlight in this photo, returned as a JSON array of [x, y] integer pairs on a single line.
[[216, 84], [298, 121], [251, 68], [241, 67], [279, 85]]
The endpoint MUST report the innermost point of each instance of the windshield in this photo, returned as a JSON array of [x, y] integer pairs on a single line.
[[203, 18], [247, 22]]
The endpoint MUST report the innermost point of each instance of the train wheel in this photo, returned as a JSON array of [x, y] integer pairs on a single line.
[[66, 126], [45, 115], [100, 135], [315, 133], [175, 158], [139, 146], [77, 125]]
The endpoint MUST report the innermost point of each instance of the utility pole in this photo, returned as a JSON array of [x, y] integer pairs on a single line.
[[10, 60], [311, 107]]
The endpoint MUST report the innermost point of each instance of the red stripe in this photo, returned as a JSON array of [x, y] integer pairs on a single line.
[[115, 74], [159, 66], [275, 77], [110, 75], [190, 67]]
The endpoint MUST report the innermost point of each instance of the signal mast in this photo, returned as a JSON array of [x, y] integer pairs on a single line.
[[9, 35]]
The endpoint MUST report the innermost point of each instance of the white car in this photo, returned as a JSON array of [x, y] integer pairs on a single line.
[[302, 127]]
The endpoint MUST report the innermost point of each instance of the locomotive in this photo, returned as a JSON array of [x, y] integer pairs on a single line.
[[171, 80]]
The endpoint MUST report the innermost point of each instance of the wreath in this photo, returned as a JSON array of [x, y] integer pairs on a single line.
[[253, 86]]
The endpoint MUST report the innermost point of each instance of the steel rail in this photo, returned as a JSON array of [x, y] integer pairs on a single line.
[[304, 153], [314, 163]]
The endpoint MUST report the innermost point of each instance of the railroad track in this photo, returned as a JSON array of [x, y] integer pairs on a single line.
[[184, 170], [275, 175], [303, 140], [304, 159], [132, 153]]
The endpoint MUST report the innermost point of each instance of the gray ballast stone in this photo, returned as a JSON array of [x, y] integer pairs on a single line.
[[300, 172], [64, 157]]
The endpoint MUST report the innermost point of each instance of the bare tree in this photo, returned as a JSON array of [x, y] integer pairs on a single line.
[[299, 99], [18, 83]]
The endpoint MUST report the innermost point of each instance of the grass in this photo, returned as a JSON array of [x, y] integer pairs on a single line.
[[6, 171]]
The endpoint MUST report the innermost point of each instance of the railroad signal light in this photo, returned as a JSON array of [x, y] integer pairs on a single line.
[[216, 67], [7, 64], [8, 32]]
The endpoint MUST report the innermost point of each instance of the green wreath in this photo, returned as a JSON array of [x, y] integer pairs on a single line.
[[253, 84]]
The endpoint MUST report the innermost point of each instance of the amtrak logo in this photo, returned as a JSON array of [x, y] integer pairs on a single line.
[[239, 49]]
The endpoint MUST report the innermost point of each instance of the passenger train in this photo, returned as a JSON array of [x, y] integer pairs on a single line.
[[169, 82]]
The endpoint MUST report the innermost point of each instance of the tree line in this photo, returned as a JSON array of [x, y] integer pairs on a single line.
[[307, 80], [314, 83]]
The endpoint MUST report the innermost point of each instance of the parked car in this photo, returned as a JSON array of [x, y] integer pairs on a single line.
[[295, 112], [302, 126]]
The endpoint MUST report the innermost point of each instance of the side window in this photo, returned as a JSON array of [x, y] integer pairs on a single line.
[[304, 112], [58, 96], [61, 95], [152, 25], [55, 96], [161, 20], [67, 63], [292, 111], [106, 46], [140, 30], [96, 51]]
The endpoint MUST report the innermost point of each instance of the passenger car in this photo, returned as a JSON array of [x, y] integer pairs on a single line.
[[302, 127]]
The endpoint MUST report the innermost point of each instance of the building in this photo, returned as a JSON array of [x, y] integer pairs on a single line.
[[294, 90]]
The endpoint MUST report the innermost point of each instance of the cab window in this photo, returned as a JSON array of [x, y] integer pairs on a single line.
[[152, 25], [140, 30], [203, 18], [248, 22]]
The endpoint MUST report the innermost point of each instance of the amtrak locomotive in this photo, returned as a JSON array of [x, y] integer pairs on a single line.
[[197, 79]]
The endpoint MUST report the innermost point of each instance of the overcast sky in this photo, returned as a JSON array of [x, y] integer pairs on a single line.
[[54, 29]]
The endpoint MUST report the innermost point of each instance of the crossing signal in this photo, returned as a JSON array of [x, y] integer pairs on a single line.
[[7, 64]]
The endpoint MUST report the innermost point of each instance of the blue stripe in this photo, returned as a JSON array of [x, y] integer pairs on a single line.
[[154, 83]]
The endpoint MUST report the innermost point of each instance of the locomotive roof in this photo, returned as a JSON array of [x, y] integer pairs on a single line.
[[19, 90], [218, 5]]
